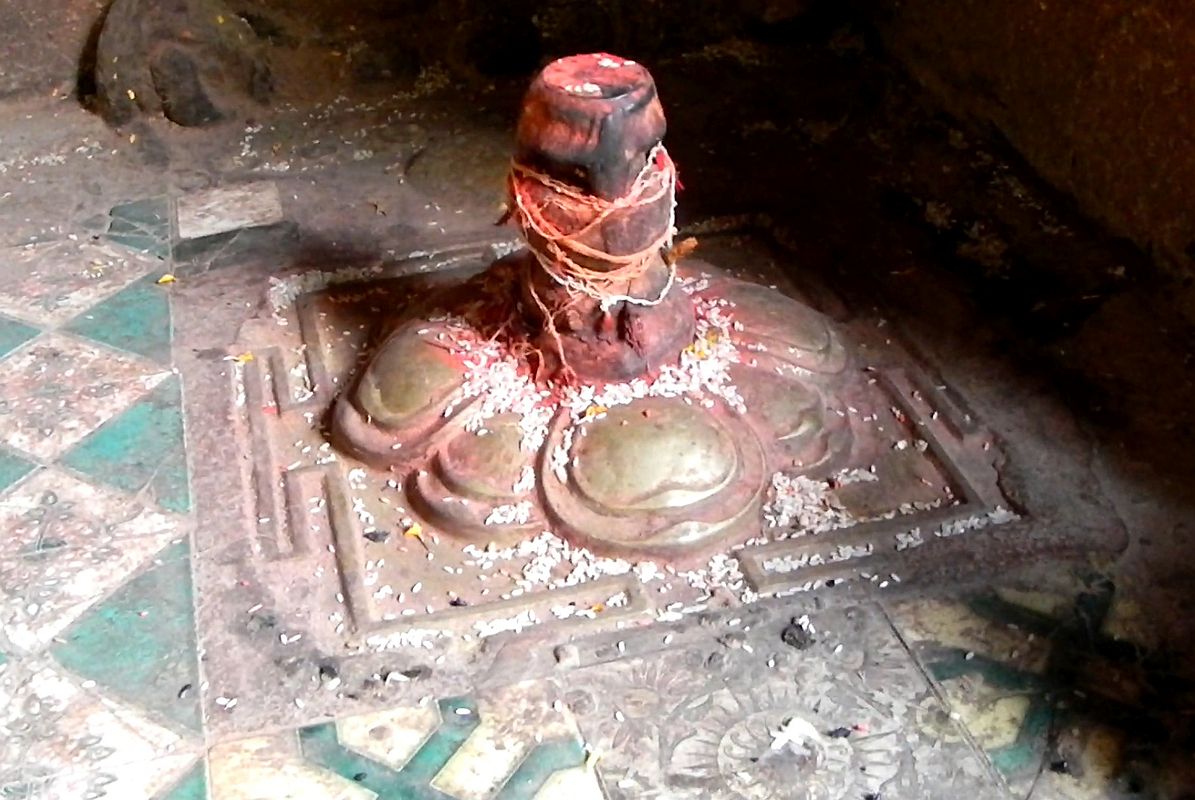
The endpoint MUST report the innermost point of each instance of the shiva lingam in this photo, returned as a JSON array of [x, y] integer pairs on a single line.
[[600, 383]]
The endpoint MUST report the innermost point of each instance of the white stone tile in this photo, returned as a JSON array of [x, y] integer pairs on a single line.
[[272, 768], [64, 545], [390, 737], [52, 282], [57, 389], [228, 208], [62, 739], [578, 783]]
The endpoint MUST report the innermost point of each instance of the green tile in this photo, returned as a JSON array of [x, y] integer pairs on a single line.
[[952, 663], [545, 760], [142, 243], [151, 213], [141, 447], [12, 469], [413, 782], [1025, 754], [193, 786], [136, 319], [123, 226], [13, 334], [139, 644]]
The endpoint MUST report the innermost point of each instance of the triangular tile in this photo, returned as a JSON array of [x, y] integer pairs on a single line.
[[12, 469], [144, 446], [139, 644], [136, 319], [193, 786], [13, 334]]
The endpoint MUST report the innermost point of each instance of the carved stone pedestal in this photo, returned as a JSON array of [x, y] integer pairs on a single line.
[[685, 391], [670, 465], [414, 431]]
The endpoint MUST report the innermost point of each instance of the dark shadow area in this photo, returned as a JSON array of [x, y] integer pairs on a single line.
[[85, 86]]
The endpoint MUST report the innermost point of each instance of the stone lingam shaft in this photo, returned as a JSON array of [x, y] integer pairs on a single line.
[[590, 384]]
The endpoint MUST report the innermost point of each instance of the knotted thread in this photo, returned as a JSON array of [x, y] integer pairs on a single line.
[[559, 252]]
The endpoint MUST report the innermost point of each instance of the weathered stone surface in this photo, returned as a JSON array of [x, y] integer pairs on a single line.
[[1097, 97], [194, 61], [655, 454]]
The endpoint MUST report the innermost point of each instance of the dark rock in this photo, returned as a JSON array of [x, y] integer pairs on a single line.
[[194, 61], [580, 701], [797, 636], [567, 655], [416, 673], [176, 78], [260, 622]]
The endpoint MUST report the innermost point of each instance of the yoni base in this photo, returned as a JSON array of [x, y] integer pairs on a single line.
[[789, 468]]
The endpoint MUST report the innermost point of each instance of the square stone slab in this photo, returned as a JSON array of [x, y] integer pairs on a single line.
[[301, 557], [740, 706], [228, 208]]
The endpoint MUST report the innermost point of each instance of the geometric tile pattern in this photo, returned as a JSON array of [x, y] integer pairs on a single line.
[[56, 390], [13, 334], [142, 225], [67, 543], [12, 469], [50, 283], [139, 642], [1042, 687], [140, 450], [60, 739], [507, 745], [99, 686], [135, 319]]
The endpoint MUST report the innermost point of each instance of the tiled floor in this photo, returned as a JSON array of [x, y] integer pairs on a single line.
[[99, 675], [141, 659], [100, 680]]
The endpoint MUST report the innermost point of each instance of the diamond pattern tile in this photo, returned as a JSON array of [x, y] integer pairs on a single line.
[[56, 391], [13, 334], [66, 545], [12, 469], [135, 319], [59, 739], [143, 447], [51, 282], [510, 743], [138, 644]]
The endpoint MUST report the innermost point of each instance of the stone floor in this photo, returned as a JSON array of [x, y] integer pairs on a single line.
[[160, 638]]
